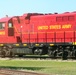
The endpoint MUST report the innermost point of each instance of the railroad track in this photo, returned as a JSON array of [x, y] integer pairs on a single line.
[[15, 72], [42, 57], [33, 57]]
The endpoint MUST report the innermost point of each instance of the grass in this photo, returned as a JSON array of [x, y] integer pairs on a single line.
[[43, 66]]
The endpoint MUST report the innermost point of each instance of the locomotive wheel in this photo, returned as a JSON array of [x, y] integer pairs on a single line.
[[6, 52], [0, 51], [11, 54], [3, 51], [3, 54], [52, 54], [38, 51], [75, 54], [65, 55]]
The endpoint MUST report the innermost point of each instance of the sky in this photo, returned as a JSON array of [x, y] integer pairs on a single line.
[[19, 7]]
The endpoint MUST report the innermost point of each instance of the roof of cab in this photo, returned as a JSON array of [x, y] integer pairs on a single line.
[[5, 19]]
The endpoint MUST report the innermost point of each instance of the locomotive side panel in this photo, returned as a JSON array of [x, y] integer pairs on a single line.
[[60, 25]]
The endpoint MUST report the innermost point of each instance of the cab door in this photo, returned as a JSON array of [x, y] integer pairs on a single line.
[[10, 29]]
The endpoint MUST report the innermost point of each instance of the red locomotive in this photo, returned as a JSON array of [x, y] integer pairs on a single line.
[[35, 33]]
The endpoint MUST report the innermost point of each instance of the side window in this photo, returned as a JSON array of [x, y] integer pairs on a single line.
[[71, 18], [58, 19], [65, 18], [2, 25], [10, 25]]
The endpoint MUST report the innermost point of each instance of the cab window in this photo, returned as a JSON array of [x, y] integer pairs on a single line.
[[10, 25], [2, 26]]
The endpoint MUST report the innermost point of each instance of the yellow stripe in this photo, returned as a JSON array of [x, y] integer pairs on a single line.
[[36, 44], [24, 44], [17, 44], [51, 44], [74, 43], [1, 44]]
